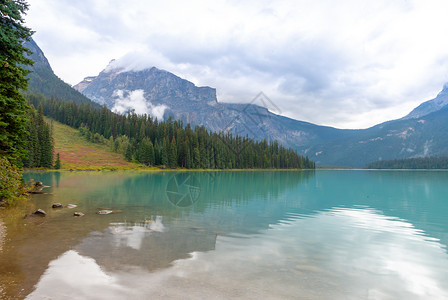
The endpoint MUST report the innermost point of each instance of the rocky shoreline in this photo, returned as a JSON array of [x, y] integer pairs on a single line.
[[2, 234]]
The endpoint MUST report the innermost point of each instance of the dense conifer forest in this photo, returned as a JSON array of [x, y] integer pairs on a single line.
[[169, 143], [411, 163], [40, 141]]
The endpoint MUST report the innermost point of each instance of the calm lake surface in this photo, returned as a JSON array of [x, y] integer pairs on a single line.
[[221, 235]]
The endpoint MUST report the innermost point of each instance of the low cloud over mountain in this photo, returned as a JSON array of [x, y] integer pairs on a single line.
[[127, 101]]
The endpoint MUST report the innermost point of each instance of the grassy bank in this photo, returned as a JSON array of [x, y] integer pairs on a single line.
[[78, 154]]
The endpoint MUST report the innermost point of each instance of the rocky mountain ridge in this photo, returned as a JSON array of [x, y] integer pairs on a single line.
[[421, 133], [160, 93], [182, 100], [430, 106]]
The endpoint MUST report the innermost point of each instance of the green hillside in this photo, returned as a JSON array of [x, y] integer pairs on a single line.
[[77, 153], [43, 80]]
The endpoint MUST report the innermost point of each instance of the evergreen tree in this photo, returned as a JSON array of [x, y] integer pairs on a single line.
[[151, 153], [189, 160], [46, 147], [196, 158], [57, 163], [142, 131], [212, 159], [128, 152], [146, 152], [169, 144], [142, 155], [33, 158], [40, 141], [172, 154], [164, 156], [157, 159], [13, 119]]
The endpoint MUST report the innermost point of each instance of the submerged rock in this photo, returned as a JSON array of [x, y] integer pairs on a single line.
[[40, 212], [71, 205], [57, 205], [78, 214], [108, 211], [38, 187]]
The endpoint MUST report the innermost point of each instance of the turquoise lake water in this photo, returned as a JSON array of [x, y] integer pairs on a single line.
[[246, 235]]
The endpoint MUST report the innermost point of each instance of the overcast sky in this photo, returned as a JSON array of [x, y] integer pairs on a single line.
[[345, 63]]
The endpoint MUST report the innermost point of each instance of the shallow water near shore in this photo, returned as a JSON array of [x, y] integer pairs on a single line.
[[219, 235]]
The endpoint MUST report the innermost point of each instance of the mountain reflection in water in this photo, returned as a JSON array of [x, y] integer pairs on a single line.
[[323, 234], [370, 256]]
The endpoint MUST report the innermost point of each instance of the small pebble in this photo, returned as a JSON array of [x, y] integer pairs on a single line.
[[104, 212]]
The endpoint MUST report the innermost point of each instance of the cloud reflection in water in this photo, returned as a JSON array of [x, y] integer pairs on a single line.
[[132, 235], [342, 253]]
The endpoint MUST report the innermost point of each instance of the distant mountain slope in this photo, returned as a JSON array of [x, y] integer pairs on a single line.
[[163, 94], [404, 138], [43, 80], [430, 106]]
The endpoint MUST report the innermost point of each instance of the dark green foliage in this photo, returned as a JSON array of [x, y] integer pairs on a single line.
[[40, 141], [197, 159], [128, 153], [13, 106], [146, 152], [92, 137], [11, 187], [411, 163], [164, 153], [170, 143], [57, 163], [172, 154]]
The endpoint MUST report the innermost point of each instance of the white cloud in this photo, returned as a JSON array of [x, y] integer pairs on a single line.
[[140, 59], [346, 63], [127, 101]]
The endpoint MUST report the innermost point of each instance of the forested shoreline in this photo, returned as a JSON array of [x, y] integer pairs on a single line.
[[26, 139], [433, 162], [170, 143]]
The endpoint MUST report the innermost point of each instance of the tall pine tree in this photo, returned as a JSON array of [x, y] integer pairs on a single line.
[[13, 119], [57, 163], [172, 154]]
